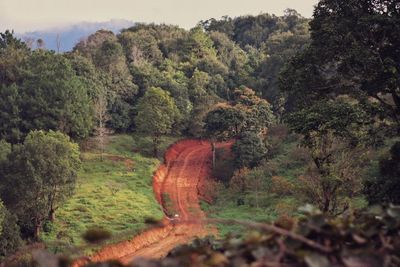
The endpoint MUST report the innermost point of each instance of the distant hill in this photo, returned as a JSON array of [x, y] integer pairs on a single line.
[[70, 35]]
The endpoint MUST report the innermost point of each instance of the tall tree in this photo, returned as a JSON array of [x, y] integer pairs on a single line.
[[48, 96], [156, 115], [40, 175], [10, 239], [335, 133], [249, 150], [247, 112], [354, 50], [101, 117]]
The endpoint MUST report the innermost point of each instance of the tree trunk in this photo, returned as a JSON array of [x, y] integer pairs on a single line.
[[257, 198], [327, 203], [52, 215], [213, 153], [36, 234], [155, 146]]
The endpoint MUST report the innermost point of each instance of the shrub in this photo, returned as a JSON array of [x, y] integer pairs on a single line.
[[224, 166], [300, 155], [280, 131], [281, 186], [10, 239], [386, 187]]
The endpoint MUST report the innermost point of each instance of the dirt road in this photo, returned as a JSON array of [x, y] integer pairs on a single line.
[[176, 186]]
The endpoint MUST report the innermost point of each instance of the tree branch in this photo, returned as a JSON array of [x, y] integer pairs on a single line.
[[277, 230]]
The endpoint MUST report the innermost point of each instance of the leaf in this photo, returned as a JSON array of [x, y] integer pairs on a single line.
[[376, 210], [394, 211], [359, 239], [316, 260], [309, 209], [362, 261]]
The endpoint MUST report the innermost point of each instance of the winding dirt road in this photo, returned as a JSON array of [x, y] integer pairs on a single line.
[[176, 185]]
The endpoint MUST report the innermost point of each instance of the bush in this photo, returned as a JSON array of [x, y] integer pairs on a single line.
[[10, 239], [280, 131], [277, 134], [386, 187], [281, 186], [300, 155], [224, 166], [249, 150]]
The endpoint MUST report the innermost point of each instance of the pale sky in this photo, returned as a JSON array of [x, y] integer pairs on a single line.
[[28, 15]]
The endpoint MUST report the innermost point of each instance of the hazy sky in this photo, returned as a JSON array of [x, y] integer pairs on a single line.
[[27, 15]]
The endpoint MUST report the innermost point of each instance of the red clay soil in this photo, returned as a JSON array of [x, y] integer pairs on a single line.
[[176, 185]]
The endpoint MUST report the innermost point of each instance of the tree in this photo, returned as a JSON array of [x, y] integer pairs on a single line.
[[101, 117], [10, 118], [247, 112], [49, 95], [156, 115], [332, 188], [5, 150], [249, 150], [10, 239], [40, 175], [196, 124], [221, 123], [106, 53], [354, 50], [12, 53], [334, 132], [321, 123]]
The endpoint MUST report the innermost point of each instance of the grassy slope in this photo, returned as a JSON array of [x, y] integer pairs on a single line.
[[271, 205], [115, 194], [274, 205]]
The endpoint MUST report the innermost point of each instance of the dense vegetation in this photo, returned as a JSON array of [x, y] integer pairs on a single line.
[[312, 108]]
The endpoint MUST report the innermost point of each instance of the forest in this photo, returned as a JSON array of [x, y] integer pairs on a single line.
[[298, 120]]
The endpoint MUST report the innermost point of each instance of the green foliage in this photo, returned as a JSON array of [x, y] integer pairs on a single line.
[[49, 96], [223, 122], [274, 181], [338, 118], [156, 114], [249, 150], [40, 175], [114, 194], [347, 55], [5, 149], [385, 187], [12, 52], [334, 132], [247, 112], [10, 239]]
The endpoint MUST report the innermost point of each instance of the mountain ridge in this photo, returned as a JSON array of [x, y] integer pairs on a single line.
[[69, 35]]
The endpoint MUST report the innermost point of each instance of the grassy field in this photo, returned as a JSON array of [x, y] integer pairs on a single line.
[[270, 207], [114, 193], [288, 163]]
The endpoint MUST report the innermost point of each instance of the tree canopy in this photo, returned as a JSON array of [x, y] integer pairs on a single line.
[[156, 114], [40, 175]]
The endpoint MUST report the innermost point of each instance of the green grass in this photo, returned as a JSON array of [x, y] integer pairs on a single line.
[[226, 207], [271, 206], [114, 193], [286, 165]]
